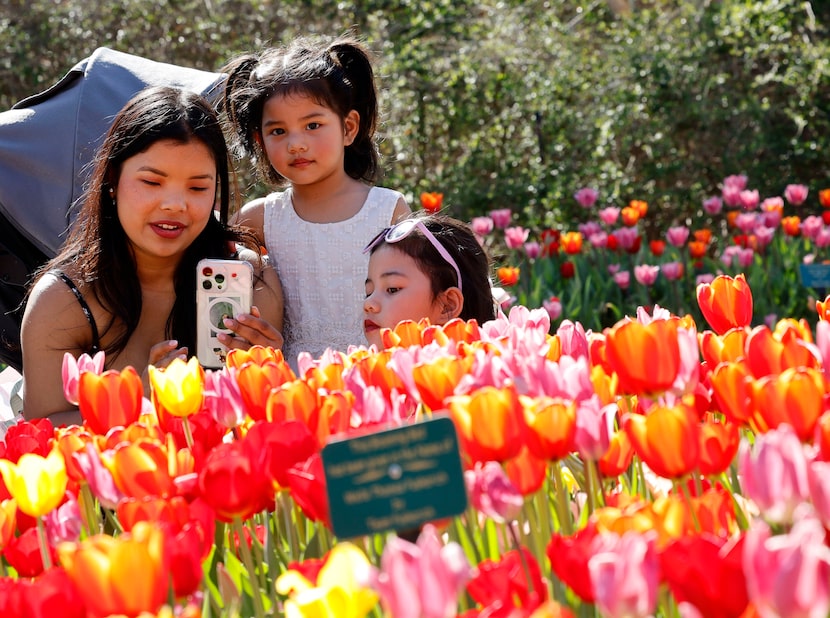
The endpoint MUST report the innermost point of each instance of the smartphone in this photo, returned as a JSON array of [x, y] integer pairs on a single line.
[[224, 289]]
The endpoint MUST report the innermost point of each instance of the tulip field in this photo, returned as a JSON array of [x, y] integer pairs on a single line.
[[673, 463]]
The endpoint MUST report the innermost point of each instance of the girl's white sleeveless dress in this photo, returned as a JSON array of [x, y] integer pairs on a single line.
[[322, 269]]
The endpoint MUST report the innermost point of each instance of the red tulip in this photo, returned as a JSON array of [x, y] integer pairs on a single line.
[[569, 556], [504, 583], [233, 483], [706, 571], [431, 202]]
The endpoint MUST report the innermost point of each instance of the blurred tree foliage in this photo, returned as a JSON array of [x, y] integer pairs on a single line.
[[514, 103]]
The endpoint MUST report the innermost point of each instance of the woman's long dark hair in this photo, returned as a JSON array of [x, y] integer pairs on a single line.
[[97, 250], [338, 75]]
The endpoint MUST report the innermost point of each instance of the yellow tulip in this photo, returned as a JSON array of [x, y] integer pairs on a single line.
[[339, 592], [179, 387], [37, 483]]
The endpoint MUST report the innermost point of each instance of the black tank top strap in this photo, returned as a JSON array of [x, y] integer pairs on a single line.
[[96, 342]]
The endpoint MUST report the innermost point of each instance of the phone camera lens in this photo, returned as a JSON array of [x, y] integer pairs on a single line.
[[207, 285], [207, 271], [220, 278]]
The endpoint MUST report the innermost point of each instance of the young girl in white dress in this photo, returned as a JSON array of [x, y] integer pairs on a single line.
[[306, 115]]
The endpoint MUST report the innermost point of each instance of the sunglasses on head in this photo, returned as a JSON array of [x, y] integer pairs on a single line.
[[403, 229]]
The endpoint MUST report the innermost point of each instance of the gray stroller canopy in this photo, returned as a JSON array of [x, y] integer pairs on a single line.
[[47, 140]]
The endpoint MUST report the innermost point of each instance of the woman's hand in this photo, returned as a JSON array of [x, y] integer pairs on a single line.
[[250, 329], [161, 355]]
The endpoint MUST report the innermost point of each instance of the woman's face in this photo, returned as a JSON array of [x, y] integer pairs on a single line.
[[396, 289], [165, 196]]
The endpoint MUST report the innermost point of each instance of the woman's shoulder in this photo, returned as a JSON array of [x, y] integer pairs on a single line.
[[53, 305]]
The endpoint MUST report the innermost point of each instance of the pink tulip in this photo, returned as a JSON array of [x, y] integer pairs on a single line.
[[586, 197], [594, 427], [223, 399], [736, 180], [625, 574], [626, 237], [554, 307], [501, 217], [482, 226], [515, 237], [71, 371], [731, 195], [677, 235], [822, 239], [573, 339], [622, 279], [646, 274], [811, 226], [771, 204], [609, 215], [64, 522], [746, 221], [533, 250], [796, 194], [771, 218], [746, 255], [98, 477], [750, 199], [598, 240], [777, 454], [672, 270], [713, 205], [589, 227], [704, 278], [492, 493], [818, 480], [764, 235], [423, 579], [730, 255], [788, 575]]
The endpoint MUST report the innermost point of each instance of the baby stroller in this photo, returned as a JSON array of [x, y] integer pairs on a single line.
[[46, 144]]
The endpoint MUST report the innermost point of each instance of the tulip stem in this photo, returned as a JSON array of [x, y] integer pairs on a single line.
[[563, 507], [525, 567], [44, 545], [93, 526], [248, 561], [188, 436]]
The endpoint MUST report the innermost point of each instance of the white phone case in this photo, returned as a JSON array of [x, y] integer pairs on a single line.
[[224, 288]]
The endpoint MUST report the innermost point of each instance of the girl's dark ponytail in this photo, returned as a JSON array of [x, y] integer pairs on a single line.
[[361, 159]]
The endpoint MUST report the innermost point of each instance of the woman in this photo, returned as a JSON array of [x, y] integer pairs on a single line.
[[125, 280]]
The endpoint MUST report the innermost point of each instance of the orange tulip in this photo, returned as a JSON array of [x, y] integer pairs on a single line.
[[824, 198], [718, 446], [508, 275], [703, 235], [726, 303], [822, 439], [375, 370], [732, 391], [823, 307], [437, 379], [551, 427], [666, 438], [457, 329], [292, 401], [111, 399], [791, 225], [697, 249], [726, 348], [645, 357], [257, 381], [141, 469], [490, 423], [69, 441], [795, 397], [409, 332], [618, 456], [431, 202], [630, 216], [128, 574], [640, 206], [770, 354], [173, 511], [571, 242], [526, 471]]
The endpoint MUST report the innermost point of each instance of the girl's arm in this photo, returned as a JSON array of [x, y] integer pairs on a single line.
[[53, 324], [252, 216]]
